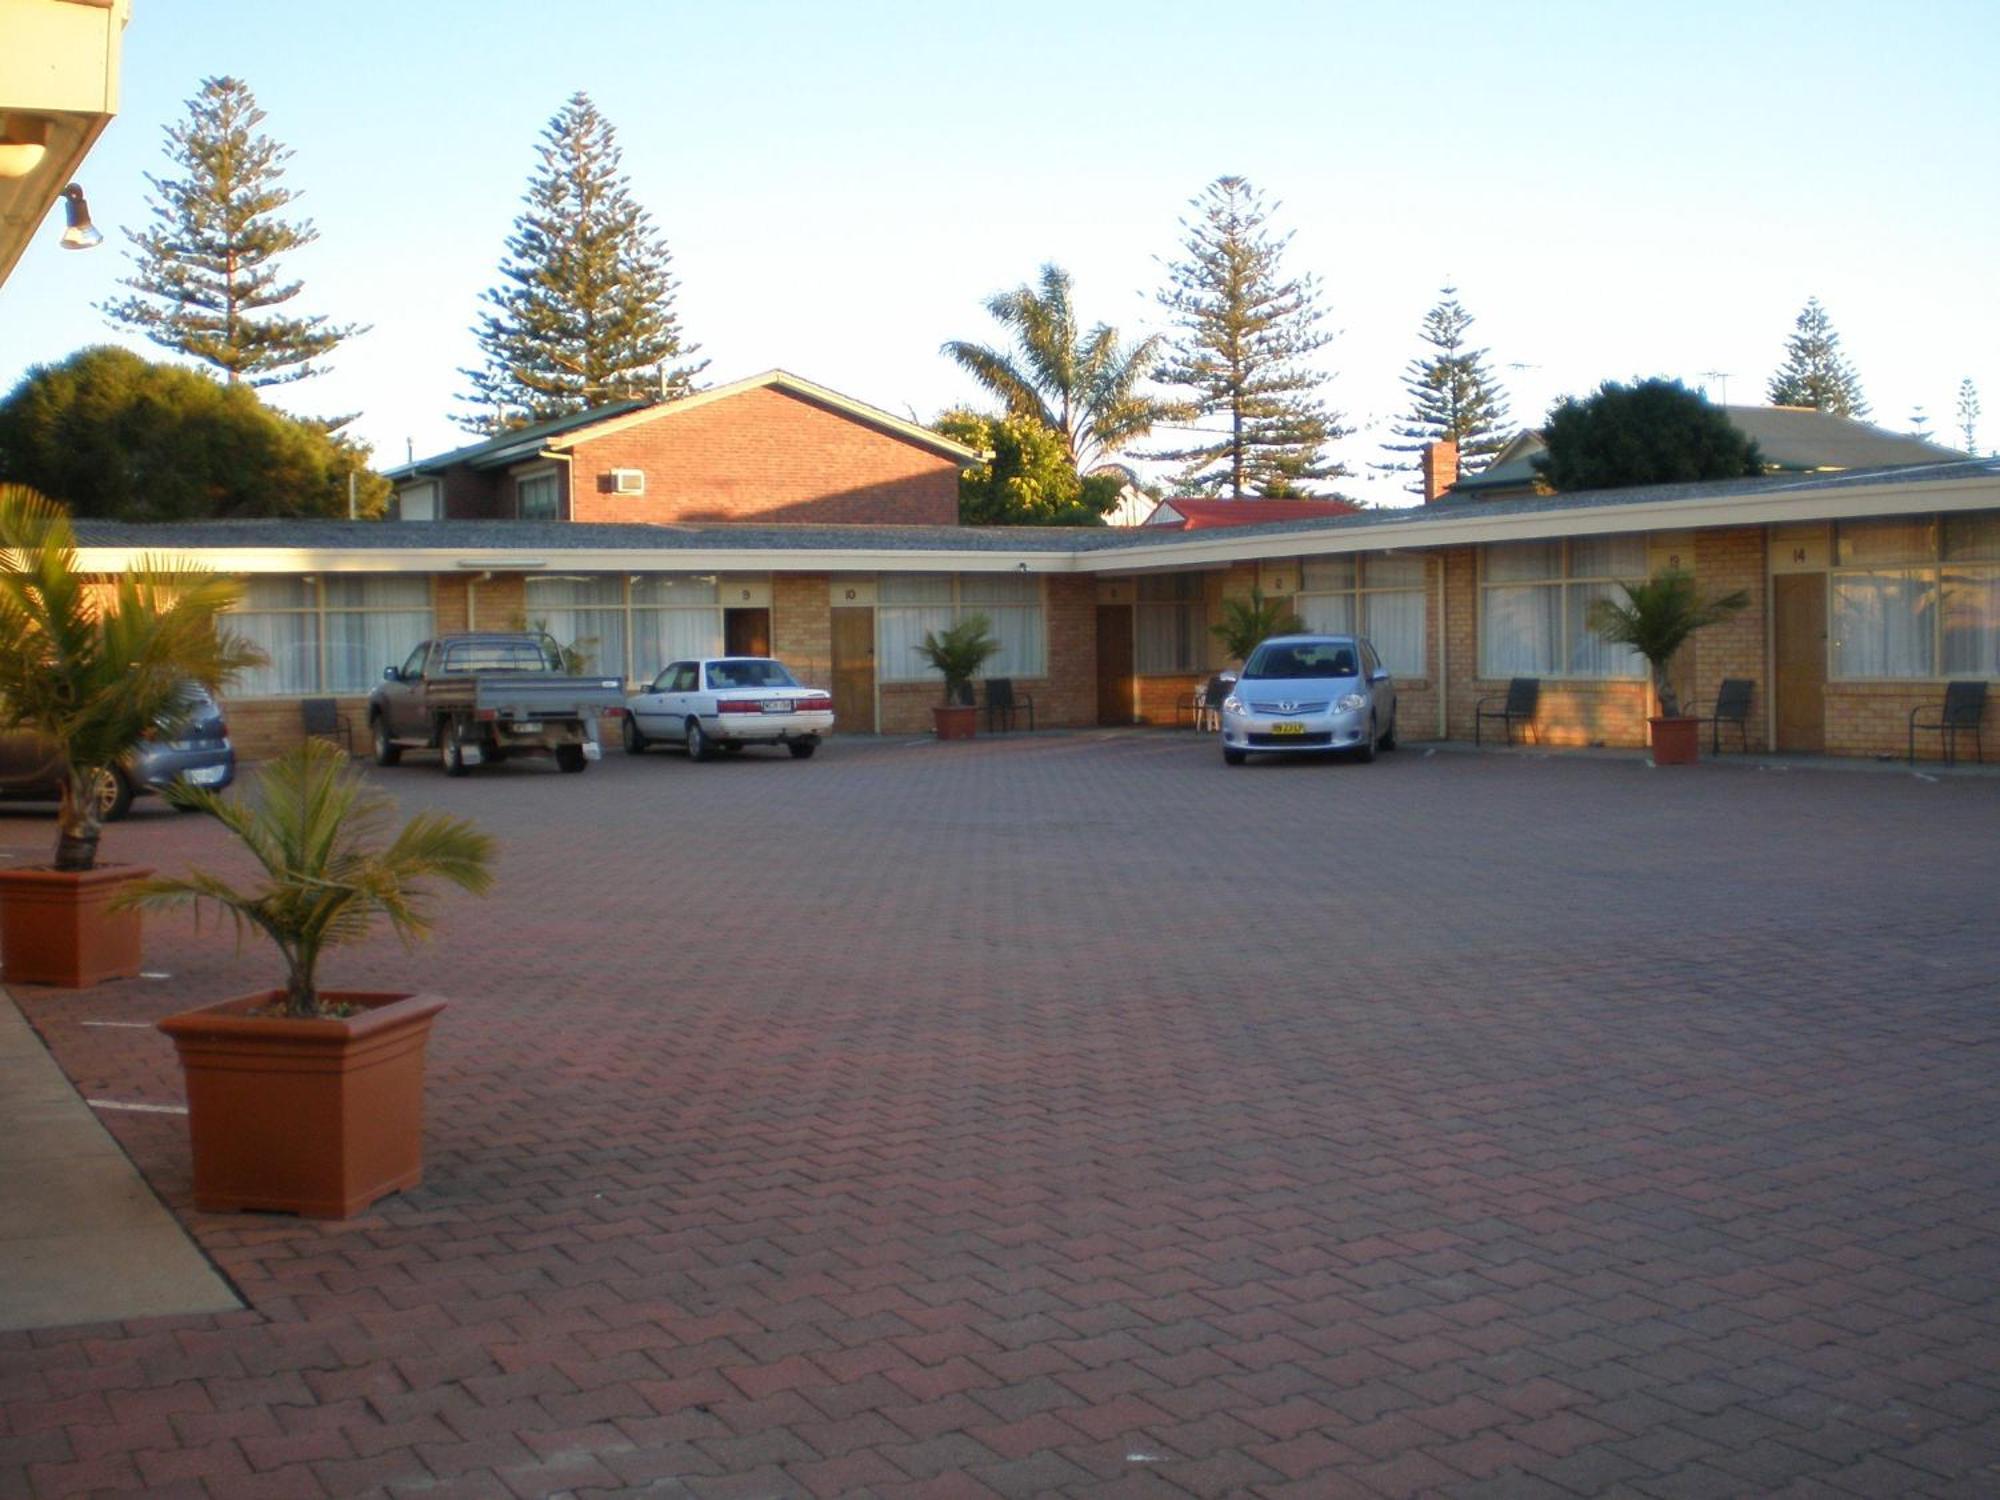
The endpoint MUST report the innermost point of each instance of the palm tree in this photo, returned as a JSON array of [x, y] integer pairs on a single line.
[[957, 653], [1656, 618], [1245, 623], [95, 666], [1081, 385], [311, 822]]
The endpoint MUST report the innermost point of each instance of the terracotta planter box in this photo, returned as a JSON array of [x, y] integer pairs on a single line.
[[57, 926], [958, 721], [318, 1117], [1676, 742]]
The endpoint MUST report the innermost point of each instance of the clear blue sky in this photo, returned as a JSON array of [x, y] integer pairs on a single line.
[[1616, 190]]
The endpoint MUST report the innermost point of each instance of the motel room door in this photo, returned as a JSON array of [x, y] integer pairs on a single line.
[[1114, 664], [1799, 651], [854, 670]]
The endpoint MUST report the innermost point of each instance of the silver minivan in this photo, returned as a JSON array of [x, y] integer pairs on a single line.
[[1310, 695]]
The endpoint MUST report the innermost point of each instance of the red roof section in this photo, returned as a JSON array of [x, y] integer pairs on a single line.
[[1202, 515]]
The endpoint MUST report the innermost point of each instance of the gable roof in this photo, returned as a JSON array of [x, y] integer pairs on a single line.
[[600, 421], [1793, 440], [1186, 513]]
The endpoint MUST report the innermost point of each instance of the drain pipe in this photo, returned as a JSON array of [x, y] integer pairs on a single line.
[[1444, 646]]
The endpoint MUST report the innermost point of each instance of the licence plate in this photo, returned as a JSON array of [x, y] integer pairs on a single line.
[[526, 726], [1288, 729], [777, 705], [205, 776]]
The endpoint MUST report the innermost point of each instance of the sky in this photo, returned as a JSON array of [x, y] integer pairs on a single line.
[[1616, 191]]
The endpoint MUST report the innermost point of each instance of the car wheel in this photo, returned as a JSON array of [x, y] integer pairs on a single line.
[[453, 750], [699, 746], [387, 751], [1233, 757], [1365, 751], [571, 759], [1389, 739], [635, 742], [114, 795], [803, 749]]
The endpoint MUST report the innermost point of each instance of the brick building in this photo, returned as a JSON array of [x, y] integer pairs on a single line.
[[770, 448], [1869, 590]]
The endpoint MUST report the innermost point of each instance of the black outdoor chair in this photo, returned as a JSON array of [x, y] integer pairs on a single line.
[[1518, 702], [1963, 707], [1732, 706], [1003, 702], [321, 718]]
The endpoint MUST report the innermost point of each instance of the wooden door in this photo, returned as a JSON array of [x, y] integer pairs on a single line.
[[746, 632], [1114, 664], [1799, 649], [854, 670]]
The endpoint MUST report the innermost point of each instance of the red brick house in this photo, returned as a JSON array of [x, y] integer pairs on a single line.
[[770, 448]]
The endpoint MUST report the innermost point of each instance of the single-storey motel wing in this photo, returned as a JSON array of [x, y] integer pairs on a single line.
[[1869, 590]]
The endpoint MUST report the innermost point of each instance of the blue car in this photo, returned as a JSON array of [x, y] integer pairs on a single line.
[[200, 754], [1310, 695]]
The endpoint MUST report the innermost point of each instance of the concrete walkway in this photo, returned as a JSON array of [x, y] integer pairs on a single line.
[[83, 1239]]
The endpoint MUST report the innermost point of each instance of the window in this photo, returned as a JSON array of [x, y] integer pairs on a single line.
[[418, 502], [629, 627], [331, 635], [1917, 598], [1172, 613], [1535, 600], [1378, 594], [535, 497], [908, 605]]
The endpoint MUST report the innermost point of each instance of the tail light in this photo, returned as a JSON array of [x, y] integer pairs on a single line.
[[819, 705], [739, 706]]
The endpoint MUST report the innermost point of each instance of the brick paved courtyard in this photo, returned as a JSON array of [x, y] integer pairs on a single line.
[[1073, 1116]]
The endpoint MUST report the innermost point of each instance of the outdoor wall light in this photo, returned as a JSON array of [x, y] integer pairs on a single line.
[[24, 141], [81, 234]]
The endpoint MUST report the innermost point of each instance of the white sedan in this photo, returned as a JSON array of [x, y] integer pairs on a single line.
[[727, 702]]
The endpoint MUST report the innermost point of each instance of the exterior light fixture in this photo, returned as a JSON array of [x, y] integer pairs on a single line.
[[81, 234], [24, 141]]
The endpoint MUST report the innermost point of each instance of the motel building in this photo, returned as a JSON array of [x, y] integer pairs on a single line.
[[776, 516]]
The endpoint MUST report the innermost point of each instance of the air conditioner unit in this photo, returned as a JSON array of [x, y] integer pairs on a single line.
[[628, 481]]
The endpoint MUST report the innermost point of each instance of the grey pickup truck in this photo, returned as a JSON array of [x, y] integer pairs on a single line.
[[484, 697]]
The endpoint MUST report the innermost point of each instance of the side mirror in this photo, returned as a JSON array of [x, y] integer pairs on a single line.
[[392, 674], [1379, 675]]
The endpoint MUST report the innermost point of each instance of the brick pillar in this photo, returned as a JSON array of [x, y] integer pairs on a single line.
[[1439, 463]]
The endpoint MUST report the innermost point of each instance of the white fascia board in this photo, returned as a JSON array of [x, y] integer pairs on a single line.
[[107, 560]]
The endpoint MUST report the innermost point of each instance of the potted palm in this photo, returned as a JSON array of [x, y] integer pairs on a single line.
[[1655, 620], [302, 1099], [92, 668], [958, 653], [1246, 622]]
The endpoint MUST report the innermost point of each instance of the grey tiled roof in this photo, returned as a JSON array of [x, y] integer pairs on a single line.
[[530, 537]]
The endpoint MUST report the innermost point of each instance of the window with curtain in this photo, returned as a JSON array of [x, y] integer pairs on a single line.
[[1535, 600], [535, 497], [372, 621], [332, 635], [907, 605], [1379, 595], [585, 615], [674, 616], [1917, 597], [1172, 614]]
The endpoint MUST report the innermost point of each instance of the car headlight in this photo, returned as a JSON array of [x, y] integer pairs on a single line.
[[1348, 703], [1234, 705]]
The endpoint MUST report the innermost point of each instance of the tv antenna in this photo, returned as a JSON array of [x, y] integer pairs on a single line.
[[1721, 378]]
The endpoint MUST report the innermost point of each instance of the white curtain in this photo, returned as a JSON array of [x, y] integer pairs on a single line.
[[1883, 623], [1394, 621], [1971, 609], [1521, 631], [1329, 614], [372, 622], [1012, 604], [663, 635], [585, 614], [291, 641], [1590, 655], [1326, 575], [1166, 638]]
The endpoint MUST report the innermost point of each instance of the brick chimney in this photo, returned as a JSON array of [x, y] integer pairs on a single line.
[[1440, 465]]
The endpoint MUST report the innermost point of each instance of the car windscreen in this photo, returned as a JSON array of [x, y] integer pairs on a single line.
[[1273, 660], [500, 656], [749, 674]]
